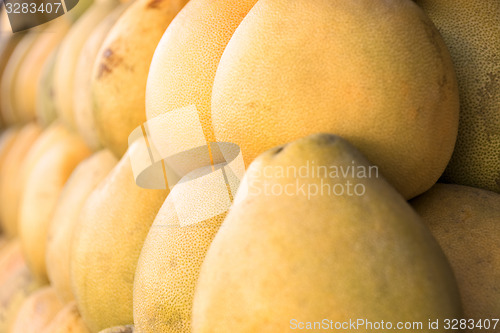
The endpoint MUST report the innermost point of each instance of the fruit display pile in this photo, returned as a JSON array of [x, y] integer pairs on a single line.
[[248, 166]]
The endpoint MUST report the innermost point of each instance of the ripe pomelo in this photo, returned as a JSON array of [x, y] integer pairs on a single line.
[[37, 311], [121, 68], [174, 250], [466, 223], [374, 72], [39, 199], [185, 61], [471, 30], [86, 176], [314, 255], [107, 241]]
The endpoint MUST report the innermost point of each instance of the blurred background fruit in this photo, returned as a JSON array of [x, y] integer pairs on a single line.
[[120, 72], [37, 311], [107, 241], [86, 176], [82, 98], [26, 83], [7, 140], [67, 57], [11, 178], [67, 320], [8, 106], [80, 9], [8, 42], [46, 112], [16, 283], [39, 198]]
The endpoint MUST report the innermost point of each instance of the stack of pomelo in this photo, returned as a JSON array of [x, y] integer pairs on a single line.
[[251, 166]]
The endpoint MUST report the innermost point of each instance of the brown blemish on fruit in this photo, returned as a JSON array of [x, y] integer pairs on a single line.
[[103, 69], [109, 61], [107, 53], [154, 4]]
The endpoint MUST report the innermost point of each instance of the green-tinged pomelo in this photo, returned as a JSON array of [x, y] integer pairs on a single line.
[[471, 30]]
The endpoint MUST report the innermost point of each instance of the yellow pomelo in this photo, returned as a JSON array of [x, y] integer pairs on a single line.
[[82, 181], [67, 56], [9, 76], [81, 7], [37, 311], [10, 258], [20, 172], [120, 71], [28, 78], [8, 44], [68, 320], [172, 255], [49, 137], [27, 62], [107, 241], [41, 193], [350, 68], [7, 140], [471, 29], [465, 222], [185, 61], [16, 283], [82, 97], [46, 112], [306, 246], [11, 178]]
